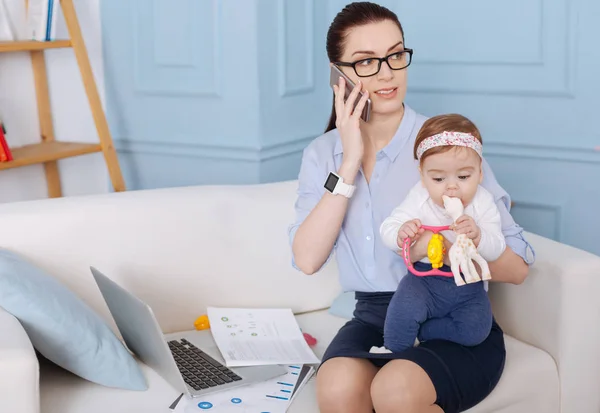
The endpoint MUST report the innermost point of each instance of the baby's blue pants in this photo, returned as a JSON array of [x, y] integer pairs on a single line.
[[434, 307]]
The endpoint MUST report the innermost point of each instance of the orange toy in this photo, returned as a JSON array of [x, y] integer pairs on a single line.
[[202, 323]]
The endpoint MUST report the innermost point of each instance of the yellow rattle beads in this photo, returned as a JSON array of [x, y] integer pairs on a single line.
[[436, 250]]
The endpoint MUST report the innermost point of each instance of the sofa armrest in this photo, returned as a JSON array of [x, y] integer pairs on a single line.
[[19, 368], [557, 309]]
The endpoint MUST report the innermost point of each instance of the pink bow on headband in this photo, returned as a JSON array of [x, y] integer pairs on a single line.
[[450, 139]]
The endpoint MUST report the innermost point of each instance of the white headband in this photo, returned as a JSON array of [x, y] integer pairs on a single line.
[[449, 139]]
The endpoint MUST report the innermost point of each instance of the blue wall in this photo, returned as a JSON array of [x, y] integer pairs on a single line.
[[207, 91], [530, 82]]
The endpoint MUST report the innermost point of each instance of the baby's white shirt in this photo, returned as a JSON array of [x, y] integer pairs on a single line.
[[419, 205]]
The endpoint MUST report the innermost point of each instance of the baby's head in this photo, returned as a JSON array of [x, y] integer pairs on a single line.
[[448, 148]]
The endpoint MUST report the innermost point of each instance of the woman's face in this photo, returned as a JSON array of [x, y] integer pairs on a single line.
[[387, 88]]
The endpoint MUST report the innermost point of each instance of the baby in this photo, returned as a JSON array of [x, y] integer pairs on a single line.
[[449, 151]]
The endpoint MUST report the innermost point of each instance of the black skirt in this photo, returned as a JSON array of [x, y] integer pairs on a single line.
[[462, 376]]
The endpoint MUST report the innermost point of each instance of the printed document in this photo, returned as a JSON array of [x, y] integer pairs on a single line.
[[252, 337], [273, 396]]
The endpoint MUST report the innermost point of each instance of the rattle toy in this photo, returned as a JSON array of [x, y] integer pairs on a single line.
[[202, 323], [462, 253], [435, 253]]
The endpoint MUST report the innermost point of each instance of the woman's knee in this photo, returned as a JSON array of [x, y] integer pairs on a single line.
[[402, 385], [343, 385]]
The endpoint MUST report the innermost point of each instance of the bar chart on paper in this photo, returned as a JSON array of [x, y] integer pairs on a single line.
[[271, 396]]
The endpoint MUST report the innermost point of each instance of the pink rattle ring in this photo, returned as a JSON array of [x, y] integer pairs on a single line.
[[408, 262]]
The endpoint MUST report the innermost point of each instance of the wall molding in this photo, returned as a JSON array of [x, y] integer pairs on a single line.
[[538, 61], [146, 85], [183, 147], [566, 94], [556, 209], [431, 62], [543, 152], [213, 151], [285, 89], [557, 80]]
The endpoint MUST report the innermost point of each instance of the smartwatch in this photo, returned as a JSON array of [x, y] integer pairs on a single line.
[[335, 184]]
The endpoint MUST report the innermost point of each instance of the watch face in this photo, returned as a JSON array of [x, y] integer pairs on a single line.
[[331, 182]]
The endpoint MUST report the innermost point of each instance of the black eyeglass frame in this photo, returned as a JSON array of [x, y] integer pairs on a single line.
[[380, 59]]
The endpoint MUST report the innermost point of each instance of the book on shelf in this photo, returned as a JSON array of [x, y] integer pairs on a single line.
[[41, 19], [5, 152], [37, 22], [13, 21], [7, 27]]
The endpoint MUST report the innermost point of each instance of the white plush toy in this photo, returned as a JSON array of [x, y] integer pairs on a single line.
[[463, 252]]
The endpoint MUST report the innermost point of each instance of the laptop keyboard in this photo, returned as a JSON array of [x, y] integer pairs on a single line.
[[199, 370]]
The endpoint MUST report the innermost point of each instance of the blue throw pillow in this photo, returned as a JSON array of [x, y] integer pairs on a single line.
[[343, 305], [63, 328]]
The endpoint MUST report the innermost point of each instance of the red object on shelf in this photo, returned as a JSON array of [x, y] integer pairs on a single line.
[[5, 152], [310, 340]]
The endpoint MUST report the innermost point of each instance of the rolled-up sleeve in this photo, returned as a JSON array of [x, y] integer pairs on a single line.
[[513, 232], [310, 191]]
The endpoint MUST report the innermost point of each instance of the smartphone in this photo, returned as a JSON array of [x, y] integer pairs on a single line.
[[334, 77]]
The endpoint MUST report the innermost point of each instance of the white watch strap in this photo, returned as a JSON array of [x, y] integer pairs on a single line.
[[344, 189]]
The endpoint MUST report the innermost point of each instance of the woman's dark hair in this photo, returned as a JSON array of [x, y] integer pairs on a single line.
[[354, 14]]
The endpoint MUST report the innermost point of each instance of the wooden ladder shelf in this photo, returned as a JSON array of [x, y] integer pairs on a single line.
[[49, 150]]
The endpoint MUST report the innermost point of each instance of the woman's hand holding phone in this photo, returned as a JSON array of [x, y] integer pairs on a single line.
[[348, 121]]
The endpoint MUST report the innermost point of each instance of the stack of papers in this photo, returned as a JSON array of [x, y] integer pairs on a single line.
[[273, 396], [253, 337]]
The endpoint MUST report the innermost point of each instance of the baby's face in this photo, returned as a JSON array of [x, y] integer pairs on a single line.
[[455, 173]]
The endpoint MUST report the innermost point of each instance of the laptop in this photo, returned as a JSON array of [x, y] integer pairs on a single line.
[[190, 361]]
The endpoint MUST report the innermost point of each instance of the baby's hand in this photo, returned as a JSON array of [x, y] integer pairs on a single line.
[[466, 225], [410, 229]]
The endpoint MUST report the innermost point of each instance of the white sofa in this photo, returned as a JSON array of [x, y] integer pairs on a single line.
[[181, 249]]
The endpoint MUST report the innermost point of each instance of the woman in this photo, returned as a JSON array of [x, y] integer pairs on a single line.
[[375, 159]]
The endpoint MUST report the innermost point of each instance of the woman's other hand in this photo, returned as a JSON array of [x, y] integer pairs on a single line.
[[348, 121]]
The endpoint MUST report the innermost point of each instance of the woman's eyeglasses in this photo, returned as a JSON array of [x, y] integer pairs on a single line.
[[372, 65]]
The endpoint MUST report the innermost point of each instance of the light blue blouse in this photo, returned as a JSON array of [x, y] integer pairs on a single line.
[[364, 263]]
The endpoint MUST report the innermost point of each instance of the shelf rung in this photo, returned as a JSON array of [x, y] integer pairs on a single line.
[[48, 151], [30, 45]]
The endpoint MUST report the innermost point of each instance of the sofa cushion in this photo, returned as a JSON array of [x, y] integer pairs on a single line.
[[343, 305], [62, 328], [209, 238], [529, 383]]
